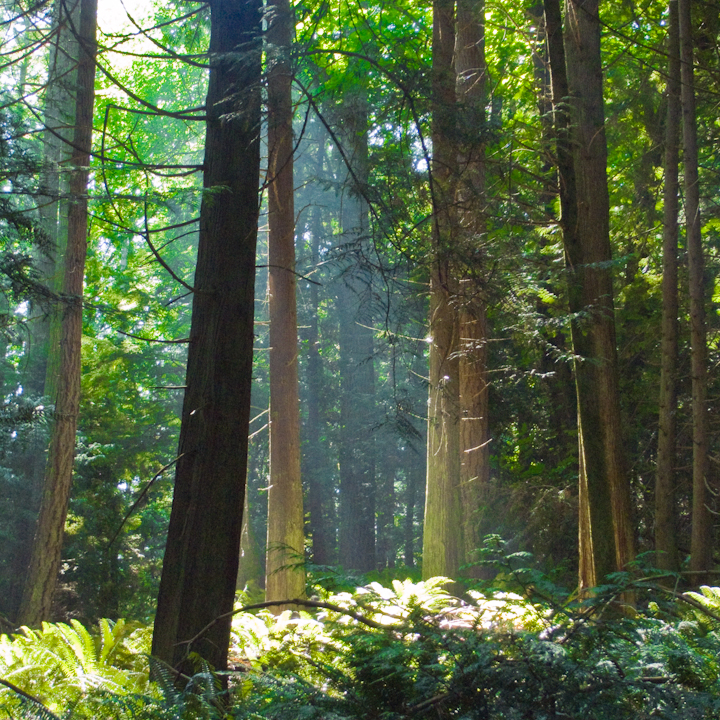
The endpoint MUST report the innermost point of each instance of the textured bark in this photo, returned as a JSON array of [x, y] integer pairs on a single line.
[[47, 545], [197, 586], [702, 522], [605, 536], [356, 532], [285, 570], [442, 535], [665, 506], [42, 352], [59, 117], [471, 73]]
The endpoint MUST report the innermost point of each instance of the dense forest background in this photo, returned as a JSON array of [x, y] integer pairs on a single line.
[[366, 206]]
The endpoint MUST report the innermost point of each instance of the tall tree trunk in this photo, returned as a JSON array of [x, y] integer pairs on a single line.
[[285, 570], [320, 498], [356, 532], [442, 535], [471, 71], [702, 534], [59, 117], [43, 342], [665, 509], [197, 587], [606, 534], [47, 545]]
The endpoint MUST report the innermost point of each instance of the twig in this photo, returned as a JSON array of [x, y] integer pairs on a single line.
[[140, 497], [27, 696]]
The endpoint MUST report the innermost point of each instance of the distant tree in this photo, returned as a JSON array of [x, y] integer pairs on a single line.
[[354, 283], [199, 573]]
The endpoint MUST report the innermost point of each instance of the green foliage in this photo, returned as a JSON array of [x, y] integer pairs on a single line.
[[409, 650], [65, 666], [497, 655]]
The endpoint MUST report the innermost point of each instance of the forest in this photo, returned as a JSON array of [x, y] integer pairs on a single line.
[[358, 359]]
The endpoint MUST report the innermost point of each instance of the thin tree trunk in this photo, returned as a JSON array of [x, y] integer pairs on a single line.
[[702, 531], [665, 507], [471, 72], [386, 550], [197, 586], [442, 535], [47, 546], [285, 570]]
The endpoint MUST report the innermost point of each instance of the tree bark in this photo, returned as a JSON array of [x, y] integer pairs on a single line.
[[606, 535], [665, 507], [702, 523], [59, 117], [285, 570], [442, 535], [47, 546], [197, 586], [471, 70]]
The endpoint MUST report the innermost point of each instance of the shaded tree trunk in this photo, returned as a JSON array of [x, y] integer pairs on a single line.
[[665, 507], [702, 530], [285, 570], [606, 536], [47, 546], [197, 586], [442, 534]]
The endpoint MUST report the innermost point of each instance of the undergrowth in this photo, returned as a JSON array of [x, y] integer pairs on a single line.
[[409, 650]]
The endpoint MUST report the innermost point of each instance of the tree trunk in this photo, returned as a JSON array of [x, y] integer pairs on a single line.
[[356, 532], [442, 535], [251, 570], [47, 545], [606, 535], [320, 498], [59, 111], [197, 586], [42, 352], [666, 551], [386, 501], [702, 523], [285, 570], [471, 72]]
